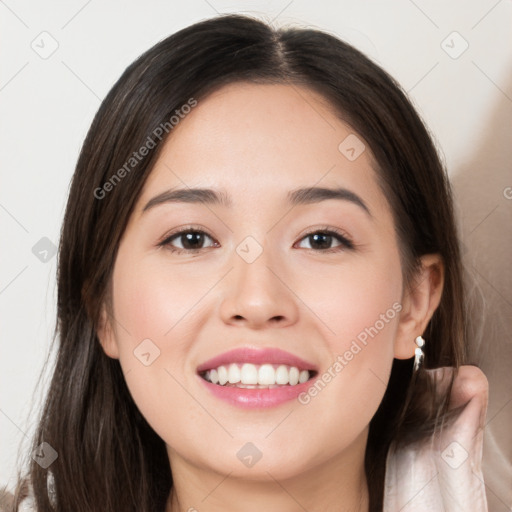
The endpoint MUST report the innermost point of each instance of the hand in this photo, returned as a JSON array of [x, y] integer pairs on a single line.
[[443, 472]]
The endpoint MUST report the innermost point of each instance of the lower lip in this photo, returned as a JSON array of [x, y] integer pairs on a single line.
[[257, 398]]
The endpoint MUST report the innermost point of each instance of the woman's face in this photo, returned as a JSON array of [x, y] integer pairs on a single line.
[[256, 280]]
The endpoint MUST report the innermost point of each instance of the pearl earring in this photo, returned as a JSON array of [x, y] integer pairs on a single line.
[[418, 353]]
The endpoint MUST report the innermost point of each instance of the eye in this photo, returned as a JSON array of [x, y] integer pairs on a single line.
[[321, 240], [191, 240]]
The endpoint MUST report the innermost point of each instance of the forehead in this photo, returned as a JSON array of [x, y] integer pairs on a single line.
[[256, 139]]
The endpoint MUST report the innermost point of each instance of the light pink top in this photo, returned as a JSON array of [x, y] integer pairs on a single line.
[[444, 473]]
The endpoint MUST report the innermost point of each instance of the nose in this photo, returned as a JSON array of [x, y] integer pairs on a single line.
[[258, 294]]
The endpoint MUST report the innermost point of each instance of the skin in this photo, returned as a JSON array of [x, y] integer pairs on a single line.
[[258, 142]]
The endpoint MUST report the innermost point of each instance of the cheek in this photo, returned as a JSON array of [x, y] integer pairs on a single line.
[[152, 300], [358, 302], [154, 311], [359, 311]]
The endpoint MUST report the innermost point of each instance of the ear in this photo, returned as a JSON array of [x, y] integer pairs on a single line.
[[106, 334], [419, 301]]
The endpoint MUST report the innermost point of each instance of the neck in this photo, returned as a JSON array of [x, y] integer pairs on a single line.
[[338, 483]]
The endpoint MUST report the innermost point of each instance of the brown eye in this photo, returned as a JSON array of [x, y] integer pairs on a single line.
[[322, 240], [190, 240]]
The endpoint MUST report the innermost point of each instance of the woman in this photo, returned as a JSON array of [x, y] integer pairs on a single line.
[[260, 301]]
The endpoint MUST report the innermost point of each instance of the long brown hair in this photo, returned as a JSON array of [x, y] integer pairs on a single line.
[[109, 458]]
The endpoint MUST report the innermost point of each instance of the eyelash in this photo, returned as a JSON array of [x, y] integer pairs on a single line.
[[346, 243]]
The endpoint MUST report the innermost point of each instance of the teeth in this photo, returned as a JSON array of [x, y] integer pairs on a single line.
[[282, 375], [303, 376], [214, 376], [223, 375], [233, 374], [249, 375], [266, 375], [294, 376]]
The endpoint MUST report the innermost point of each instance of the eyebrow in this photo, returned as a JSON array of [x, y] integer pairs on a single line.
[[300, 196]]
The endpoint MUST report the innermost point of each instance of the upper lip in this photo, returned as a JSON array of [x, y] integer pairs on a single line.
[[256, 356]]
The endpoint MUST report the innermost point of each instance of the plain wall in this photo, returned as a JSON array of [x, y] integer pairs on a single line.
[[47, 103]]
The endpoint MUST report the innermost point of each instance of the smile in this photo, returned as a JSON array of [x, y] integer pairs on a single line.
[[251, 376], [256, 378]]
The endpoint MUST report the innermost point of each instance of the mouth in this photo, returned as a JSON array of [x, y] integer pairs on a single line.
[[256, 378], [252, 376]]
